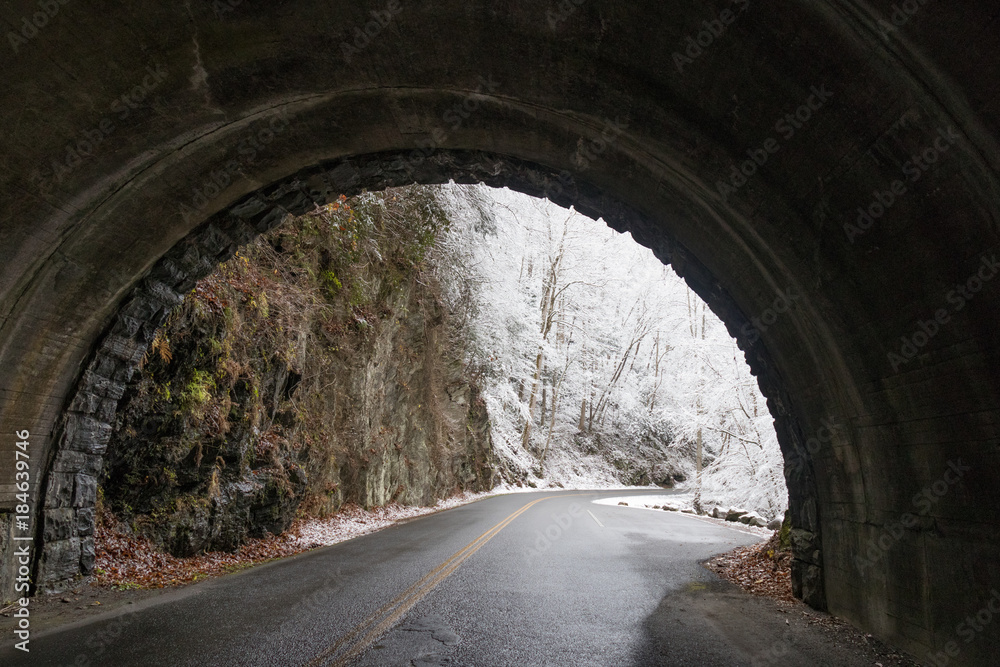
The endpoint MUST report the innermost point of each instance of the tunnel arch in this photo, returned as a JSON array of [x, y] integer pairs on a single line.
[[592, 112], [150, 302]]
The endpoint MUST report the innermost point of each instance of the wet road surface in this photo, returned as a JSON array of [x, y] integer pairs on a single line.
[[521, 579]]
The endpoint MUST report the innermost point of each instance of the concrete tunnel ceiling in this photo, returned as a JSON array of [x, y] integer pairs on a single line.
[[839, 155]]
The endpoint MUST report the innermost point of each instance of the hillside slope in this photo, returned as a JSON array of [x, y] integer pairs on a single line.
[[317, 368]]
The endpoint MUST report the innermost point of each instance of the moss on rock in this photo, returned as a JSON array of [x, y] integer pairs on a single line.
[[317, 367]]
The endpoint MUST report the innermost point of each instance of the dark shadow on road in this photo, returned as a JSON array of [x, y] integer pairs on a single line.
[[716, 623]]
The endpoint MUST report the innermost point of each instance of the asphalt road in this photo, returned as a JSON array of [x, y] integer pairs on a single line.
[[522, 579]]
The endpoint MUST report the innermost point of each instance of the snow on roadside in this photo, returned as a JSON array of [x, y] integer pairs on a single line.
[[125, 560], [353, 521], [681, 501], [580, 484]]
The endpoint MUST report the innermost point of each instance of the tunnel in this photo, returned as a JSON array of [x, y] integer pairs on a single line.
[[824, 175]]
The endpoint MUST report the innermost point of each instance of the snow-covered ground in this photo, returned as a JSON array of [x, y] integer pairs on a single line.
[[678, 500], [354, 521], [681, 501], [597, 363], [570, 483]]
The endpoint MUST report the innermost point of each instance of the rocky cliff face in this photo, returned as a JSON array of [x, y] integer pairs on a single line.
[[316, 368]]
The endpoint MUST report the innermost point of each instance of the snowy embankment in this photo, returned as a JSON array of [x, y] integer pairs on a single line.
[[596, 362]]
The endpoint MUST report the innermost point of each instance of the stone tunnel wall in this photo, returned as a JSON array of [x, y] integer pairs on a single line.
[[598, 96]]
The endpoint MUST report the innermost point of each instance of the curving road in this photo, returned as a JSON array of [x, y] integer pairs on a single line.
[[521, 579]]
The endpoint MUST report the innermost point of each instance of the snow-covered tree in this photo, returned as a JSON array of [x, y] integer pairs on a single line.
[[599, 365]]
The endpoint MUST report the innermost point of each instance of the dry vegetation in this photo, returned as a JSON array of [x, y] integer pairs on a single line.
[[761, 569], [126, 560]]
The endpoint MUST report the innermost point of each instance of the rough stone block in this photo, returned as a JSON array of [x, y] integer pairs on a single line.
[[139, 308], [122, 348], [59, 563], [272, 218], [149, 329], [164, 296], [85, 492], [113, 368], [60, 490], [86, 434], [240, 232], [85, 403], [68, 462], [187, 256], [249, 208], [807, 584], [167, 271], [126, 326], [58, 524], [102, 386], [342, 176], [104, 366], [87, 555], [85, 521], [214, 241], [124, 372], [106, 410], [88, 403], [806, 546], [92, 464], [192, 260]]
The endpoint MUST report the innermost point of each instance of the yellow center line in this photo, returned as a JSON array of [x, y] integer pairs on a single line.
[[414, 594]]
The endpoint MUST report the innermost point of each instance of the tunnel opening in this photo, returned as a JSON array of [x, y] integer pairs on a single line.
[[67, 549], [591, 363]]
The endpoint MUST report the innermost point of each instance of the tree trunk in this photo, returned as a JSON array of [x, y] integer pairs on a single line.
[[552, 422], [541, 415], [526, 436], [697, 492]]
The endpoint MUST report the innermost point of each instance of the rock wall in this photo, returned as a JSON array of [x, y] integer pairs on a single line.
[[316, 368]]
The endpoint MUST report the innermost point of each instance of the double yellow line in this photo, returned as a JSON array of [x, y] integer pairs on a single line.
[[385, 617]]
